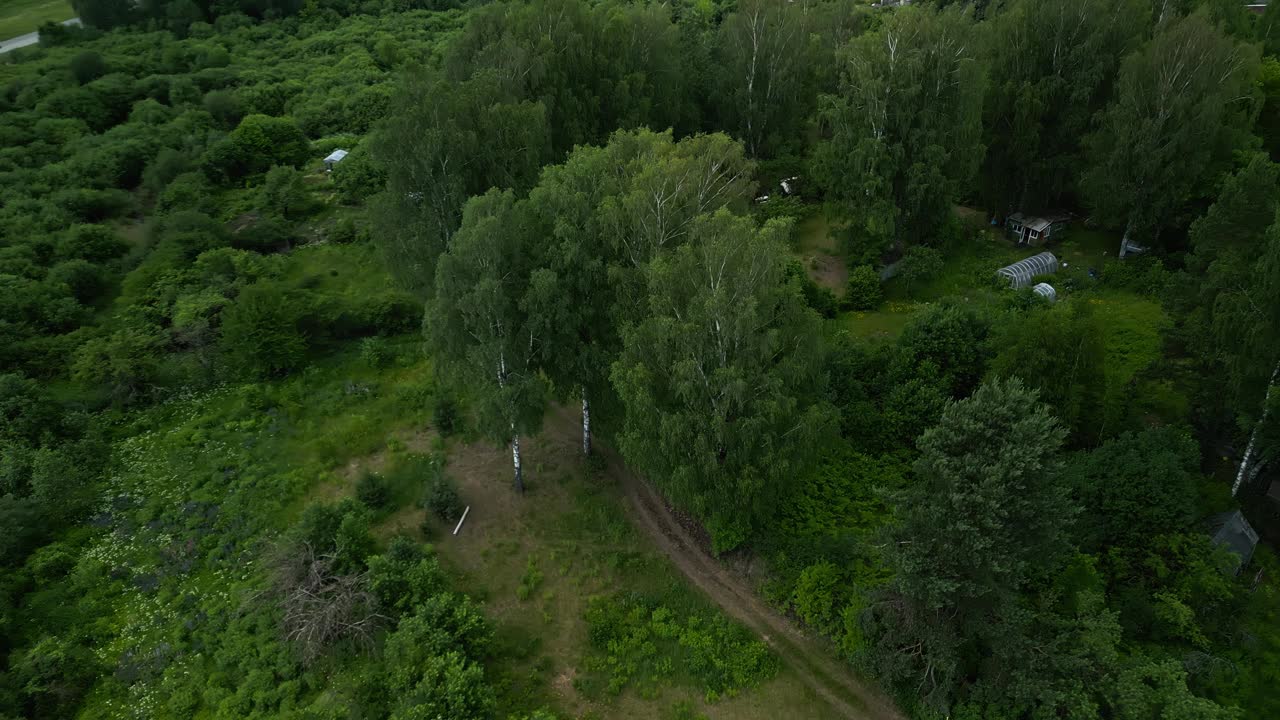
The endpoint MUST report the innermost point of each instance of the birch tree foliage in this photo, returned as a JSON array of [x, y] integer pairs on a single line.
[[443, 142], [594, 67], [769, 55], [904, 128], [1182, 106], [721, 380], [1052, 66], [1232, 317], [602, 215], [476, 321], [1246, 321]]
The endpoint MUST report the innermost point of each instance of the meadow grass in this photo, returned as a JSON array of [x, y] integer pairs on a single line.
[[19, 17]]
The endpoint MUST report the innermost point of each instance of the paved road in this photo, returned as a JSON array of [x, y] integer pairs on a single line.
[[30, 38]]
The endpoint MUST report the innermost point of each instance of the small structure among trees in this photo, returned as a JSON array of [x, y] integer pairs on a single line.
[[1232, 531], [334, 158], [1046, 291], [1022, 272], [1031, 230]]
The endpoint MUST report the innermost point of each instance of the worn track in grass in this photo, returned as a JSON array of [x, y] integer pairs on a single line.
[[813, 664]]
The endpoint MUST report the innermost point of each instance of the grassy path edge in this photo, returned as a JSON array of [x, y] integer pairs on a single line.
[[847, 695]]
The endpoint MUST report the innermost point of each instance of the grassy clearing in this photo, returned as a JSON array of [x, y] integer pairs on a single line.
[[884, 324], [247, 459], [19, 17], [542, 560]]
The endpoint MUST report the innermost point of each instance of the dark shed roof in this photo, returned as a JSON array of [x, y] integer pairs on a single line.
[[1232, 531]]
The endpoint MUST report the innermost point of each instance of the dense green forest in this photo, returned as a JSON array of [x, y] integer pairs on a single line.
[[746, 249]]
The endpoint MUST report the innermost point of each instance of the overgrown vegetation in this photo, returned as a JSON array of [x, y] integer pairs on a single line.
[[221, 438]]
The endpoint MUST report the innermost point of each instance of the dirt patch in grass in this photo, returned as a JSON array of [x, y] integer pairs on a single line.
[[828, 271], [818, 251], [538, 559], [406, 521]]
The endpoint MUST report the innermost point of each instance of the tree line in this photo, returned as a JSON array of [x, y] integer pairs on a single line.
[[569, 186], [616, 275]]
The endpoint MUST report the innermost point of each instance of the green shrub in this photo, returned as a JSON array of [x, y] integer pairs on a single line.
[[684, 710], [87, 66], [445, 415], [815, 593], [260, 334], [442, 497], [920, 264], [821, 299], [402, 580], [257, 143], [636, 639], [375, 352], [372, 491], [863, 291], [529, 581], [283, 193]]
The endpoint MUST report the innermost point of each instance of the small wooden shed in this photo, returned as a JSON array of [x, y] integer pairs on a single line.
[[1034, 230], [1232, 531]]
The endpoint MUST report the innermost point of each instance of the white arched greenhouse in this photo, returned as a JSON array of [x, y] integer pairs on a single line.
[[1021, 272], [1046, 291]]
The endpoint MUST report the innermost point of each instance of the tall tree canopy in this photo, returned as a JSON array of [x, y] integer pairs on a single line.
[[477, 320], [770, 57], [1230, 307], [904, 127], [1182, 103], [593, 67], [603, 215], [721, 381], [1052, 66], [443, 142], [986, 517], [1059, 352]]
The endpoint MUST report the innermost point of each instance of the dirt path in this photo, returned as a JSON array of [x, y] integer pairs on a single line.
[[810, 662]]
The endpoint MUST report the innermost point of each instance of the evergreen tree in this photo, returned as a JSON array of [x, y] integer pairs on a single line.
[[986, 518]]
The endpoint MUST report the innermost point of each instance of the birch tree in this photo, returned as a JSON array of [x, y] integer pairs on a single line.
[[443, 142], [1247, 320], [903, 131], [1181, 106], [765, 89], [721, 380], [604, 213], [1230, 317], [1052, 66], [477, 321]]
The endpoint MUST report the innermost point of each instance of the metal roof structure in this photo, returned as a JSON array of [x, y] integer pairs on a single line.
[[1232, 531], [335, 156], [1021, 272], [1045, 290]]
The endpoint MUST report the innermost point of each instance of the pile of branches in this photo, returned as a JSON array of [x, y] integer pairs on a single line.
[[321, 607]]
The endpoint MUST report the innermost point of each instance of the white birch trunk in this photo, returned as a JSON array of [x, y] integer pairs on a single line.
[[515, 460], [586, 424], [1253, 436]]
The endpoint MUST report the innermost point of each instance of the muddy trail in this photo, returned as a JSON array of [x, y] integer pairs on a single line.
[[812, 663]]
